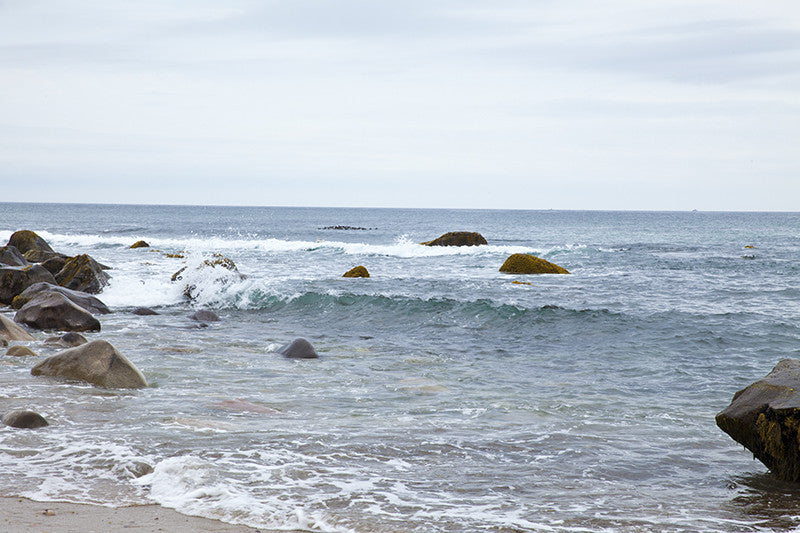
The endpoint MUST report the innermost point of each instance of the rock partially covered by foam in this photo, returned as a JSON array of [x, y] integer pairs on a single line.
[[96, 362], [530, 264], [765, 418], [52, 310], [216, 271], [24, 419], [140, 244], [457, 238], [298, 349]]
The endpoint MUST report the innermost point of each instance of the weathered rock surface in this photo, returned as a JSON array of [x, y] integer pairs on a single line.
[[55, 263], [11, 331], [9, 255], [26, 240], [82, 273], [765, 418], [298, 349], [91, 303], [457, 238], [14, 280], [143, 311], [67, 340], [530, 264], [205, 316], [356, 272], [53, 310], [140, 244], [24, 419], [21, 351], [96, 362]]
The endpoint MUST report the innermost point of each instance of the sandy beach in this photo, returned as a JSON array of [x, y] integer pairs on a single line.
[[23, 515]]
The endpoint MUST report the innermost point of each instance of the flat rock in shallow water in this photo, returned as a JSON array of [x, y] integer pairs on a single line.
[[143, 311], [24, 419], [96, 362], [298, 349], [205, 316], [52, 310], [765, 418]]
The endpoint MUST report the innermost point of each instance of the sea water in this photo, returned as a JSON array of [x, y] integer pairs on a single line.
[[446, 396]]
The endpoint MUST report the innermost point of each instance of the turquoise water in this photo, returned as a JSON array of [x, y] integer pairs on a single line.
[[446, 397]]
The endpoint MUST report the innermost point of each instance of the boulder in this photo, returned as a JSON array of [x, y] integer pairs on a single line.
[[140, 244], [218, 270], [765, 418], [11, 331], [14, 280], [81, 299], [96, 362], [21, 351], [298, 349], [55, 263], [205, 316], [53, 310], [24, 419], [356, 272], [67, 340], [9, 255], [457, 238], [26, 240], [530, 264], [143, 311], [82, 273]]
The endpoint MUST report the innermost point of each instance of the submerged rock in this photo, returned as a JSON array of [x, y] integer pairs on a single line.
[[21, 351], [11, 331], [356, 272], [52, 310], [96, 362], [24, 419], [82, 273], [457, 238], [26, 240], [9, 255], [91, 303], [14, 280], [765, 418], [530, 264], [298, 349], [67, 340], [205, 316], [140, 244], [143, 311]]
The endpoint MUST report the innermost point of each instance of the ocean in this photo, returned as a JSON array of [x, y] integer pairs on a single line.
[[446, 397]]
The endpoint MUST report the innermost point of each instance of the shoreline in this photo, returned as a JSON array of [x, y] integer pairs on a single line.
[[25, 515]]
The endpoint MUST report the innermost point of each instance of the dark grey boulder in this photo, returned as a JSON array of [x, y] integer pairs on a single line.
[[205, 316], [52, 310], [9, 255], [67, 340], [143, 311], [26, 240], [91, 303], [96, 362], [765, 418], [41, 256], [14, 280], [11, 331], [55, 263], [24, 419], [82, 273], [298, 349], [458, 238]]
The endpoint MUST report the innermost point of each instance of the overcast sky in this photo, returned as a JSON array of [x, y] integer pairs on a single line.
[[533, 104]]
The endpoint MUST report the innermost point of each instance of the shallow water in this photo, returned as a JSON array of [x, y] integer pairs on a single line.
[[446, 398]]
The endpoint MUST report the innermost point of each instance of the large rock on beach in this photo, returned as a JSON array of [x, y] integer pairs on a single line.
[[24, 419], [530, 264], [91, 303], [298, 349], [26, 240], [356, 272], [9, 255], [82, 273], [765, 418], [457, 238], [14, 280], [96, 362], [53, 310], [11, 331]]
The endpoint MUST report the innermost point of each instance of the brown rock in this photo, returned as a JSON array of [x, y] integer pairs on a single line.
[[55, 263], [82, 273], [14, 280], [11, 331], [10, 256], [140, 244], [67, 340], [52, 310], [530, 264], [21, 351], [457, 238], [96, 362], [298, 349], [25, 240], [81, 299], [356, 272]]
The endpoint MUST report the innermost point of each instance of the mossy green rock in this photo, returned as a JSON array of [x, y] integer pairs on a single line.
[[82, 273], [140, 244], [357, 272], [26, 240], [765, 418], [457, 238], [530, 264]]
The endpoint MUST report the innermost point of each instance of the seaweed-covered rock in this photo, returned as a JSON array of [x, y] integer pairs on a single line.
[[82, 273], [40, 256], [14, 280], [24, 419], [765, 418], [67, 340], [96, 362], [140, 244], [26, 240], [457, 238], [52, 310], [356, 272], [21, 351], [11, 331], [9, 255], [530, 264], [91, 303], [298, 349]]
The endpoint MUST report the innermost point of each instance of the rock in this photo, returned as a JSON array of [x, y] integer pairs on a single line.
[[81, 299], [356, 272], [67, 340], [205, 316], [143, 311], [9, 255], [765, 418], [96, 362], [457, 238], [298, 349], [530, 264], [55, 263], [140, 244], [14, 280], [3, 342], [53, 310], [24, 419], [218, 270], [358, 228], [11, 331], [82, 273], [26, 240], [40, 256], [21, 351]]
